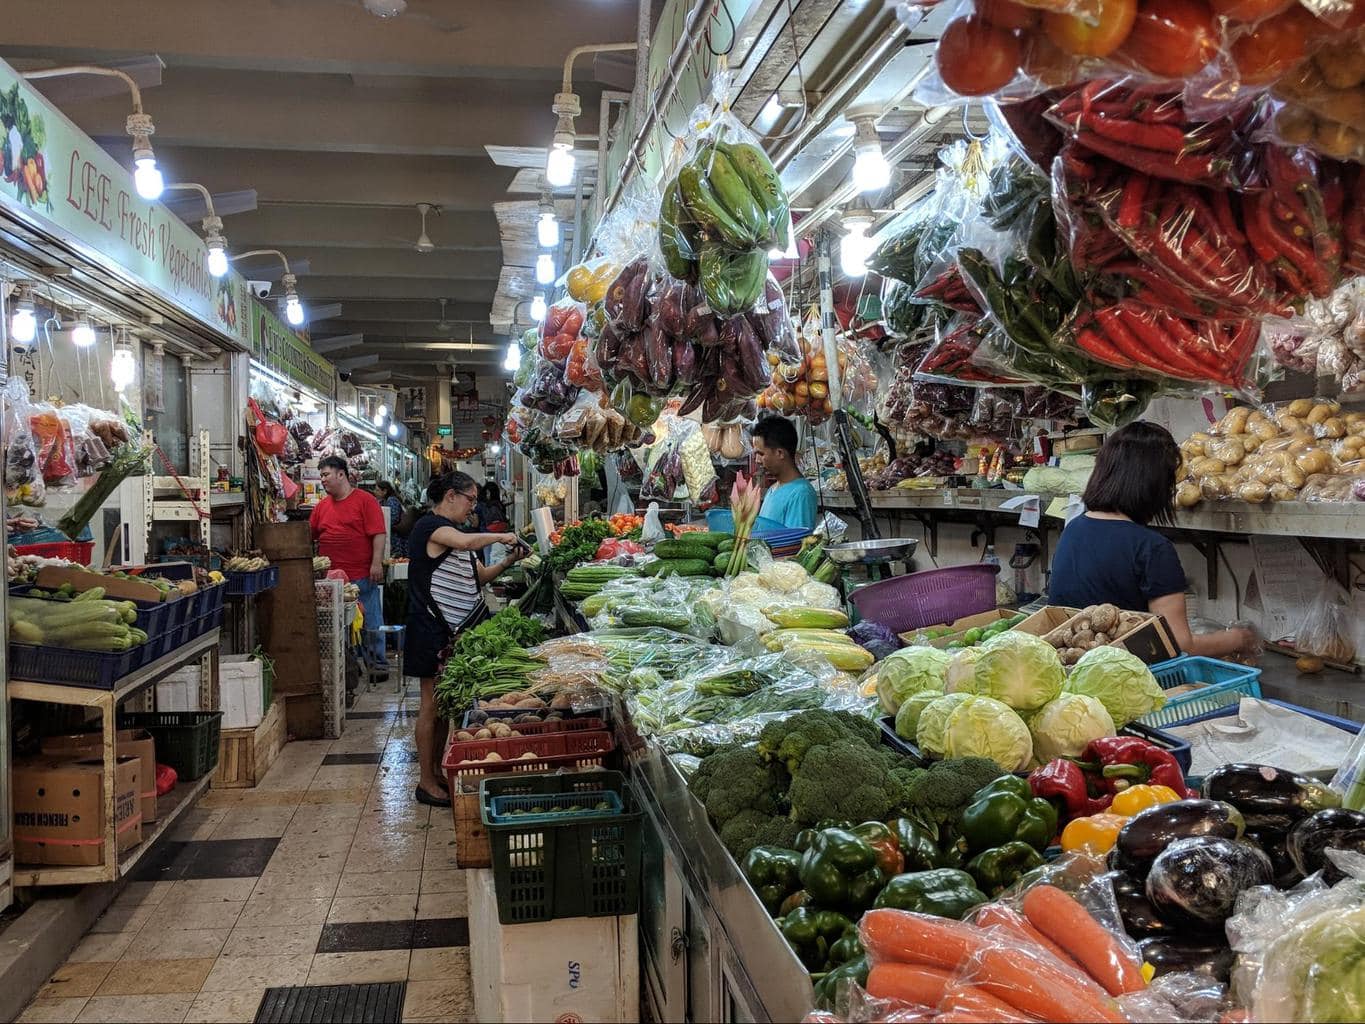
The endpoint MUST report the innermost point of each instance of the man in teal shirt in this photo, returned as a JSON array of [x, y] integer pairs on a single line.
[[790, 499]]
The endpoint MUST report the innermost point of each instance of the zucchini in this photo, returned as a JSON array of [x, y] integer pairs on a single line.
[[644, 616], [681, 548]]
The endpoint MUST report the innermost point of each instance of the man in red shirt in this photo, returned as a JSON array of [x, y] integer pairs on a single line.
[[348, 527]]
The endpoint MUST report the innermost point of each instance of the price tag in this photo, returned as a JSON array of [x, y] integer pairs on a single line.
[[1030, 509], [948, 497], [1073, 507]]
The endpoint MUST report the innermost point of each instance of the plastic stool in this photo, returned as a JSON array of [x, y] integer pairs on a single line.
[[395, 669]]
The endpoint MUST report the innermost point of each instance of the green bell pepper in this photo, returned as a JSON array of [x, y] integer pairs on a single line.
[[810, 933], [774, 874], [885, 843], [996, 870], [831, 863], [827, 987], [845, 948], [943, 892], [918, 845], [1004, 811]]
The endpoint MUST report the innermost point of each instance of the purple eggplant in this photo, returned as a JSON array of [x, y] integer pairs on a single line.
[[684, 361], [1194, 883], [753, 361], [658, 359]]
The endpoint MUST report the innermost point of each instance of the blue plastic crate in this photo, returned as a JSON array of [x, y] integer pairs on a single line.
[[1223, 684], [554, 808], [94, 670], [211, 597], [244, 584]]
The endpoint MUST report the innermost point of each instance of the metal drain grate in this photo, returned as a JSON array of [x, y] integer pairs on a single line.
[[343, 1004]]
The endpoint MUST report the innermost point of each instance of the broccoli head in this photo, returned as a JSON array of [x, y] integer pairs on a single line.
[[945, 787], [750, 828], [736, 779], [845, 781], [787, 741]]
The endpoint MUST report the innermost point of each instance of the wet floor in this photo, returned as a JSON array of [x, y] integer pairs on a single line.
[[326, 873]]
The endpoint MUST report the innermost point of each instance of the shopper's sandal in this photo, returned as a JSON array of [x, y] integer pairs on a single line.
[[423, 797]]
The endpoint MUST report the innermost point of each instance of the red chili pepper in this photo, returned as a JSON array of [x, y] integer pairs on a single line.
[[1221, 206], [1096, 344], [1162, 138], [1123, 340], [1197, 170], [1130, 207], [1150, 334]]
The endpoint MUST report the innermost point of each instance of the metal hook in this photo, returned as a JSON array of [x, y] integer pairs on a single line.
[[966, 126]]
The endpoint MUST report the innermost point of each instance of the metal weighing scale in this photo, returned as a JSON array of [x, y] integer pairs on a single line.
[[862, 562]]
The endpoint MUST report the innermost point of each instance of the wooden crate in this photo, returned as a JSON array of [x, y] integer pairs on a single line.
[[245, 755], [472, 847]]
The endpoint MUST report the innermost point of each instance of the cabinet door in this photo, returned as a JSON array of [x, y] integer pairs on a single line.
[[702, 988], [663, 940]]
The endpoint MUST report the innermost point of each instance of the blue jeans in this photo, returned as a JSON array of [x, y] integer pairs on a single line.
[[371, 601]]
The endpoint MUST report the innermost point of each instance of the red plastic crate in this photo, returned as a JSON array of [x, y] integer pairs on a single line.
[[72, 551], [552, 751], [541, 728]]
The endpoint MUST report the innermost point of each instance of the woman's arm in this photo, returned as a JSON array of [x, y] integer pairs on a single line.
[[1171, 607], [449, 537], [488, 573]]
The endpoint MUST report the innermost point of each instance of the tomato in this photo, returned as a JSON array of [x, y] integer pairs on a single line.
[[1272, 47], [1098, 35], [1006, 13], [1048, 62], [1249, 10], [976, 58], [573, 323], [1172, 38]]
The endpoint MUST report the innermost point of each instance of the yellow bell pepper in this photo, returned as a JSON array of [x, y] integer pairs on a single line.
[[1138, 798], [1095, 834]]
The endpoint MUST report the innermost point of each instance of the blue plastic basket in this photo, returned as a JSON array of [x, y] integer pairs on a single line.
[[94, 670], [244, 584], [1222, 684], [552, 808], [155, 618]]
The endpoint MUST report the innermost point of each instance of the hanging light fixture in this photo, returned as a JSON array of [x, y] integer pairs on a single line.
[[393, 429], [23, 324], [855, 247], [538, 308], [123, 367], [871, 172], [513, 361], [547, 225], [560, 163], [545, 269], [83, 334], [377, 419], [293, 308], [217, 244]]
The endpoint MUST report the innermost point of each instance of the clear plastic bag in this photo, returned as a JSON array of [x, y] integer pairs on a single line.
[[24, 483], [1327, 627], [562, 328], [54, 445]]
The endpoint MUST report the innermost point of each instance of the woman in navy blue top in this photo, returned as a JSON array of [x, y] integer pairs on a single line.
[[1109, 554]]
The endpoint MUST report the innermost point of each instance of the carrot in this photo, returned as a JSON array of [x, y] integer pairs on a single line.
[[966, 1017], [911, 938], [1041, 986], [977, 1000], [908, 983], [1001, 916], [1067, 923]]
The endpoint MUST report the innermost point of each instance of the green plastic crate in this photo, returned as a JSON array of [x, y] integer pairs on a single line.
[[588, 866], [185, 740]]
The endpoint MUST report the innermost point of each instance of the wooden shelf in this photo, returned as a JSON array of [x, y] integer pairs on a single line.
[[53, 693]]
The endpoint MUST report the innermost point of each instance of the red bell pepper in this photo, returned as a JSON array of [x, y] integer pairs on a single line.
[[1123, 761], [1064, 783]]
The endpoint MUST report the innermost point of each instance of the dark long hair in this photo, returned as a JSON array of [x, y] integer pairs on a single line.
[[1135, 474], [490, 493]]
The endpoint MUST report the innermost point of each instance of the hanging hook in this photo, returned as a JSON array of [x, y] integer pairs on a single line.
[[966, 125]]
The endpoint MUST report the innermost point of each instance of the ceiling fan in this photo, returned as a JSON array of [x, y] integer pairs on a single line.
[[392, 9], [422, 243]]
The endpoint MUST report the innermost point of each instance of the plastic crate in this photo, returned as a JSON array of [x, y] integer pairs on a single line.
[[1178, 748], [585, 867], [550, 751], [927, 598], [155, 618], [211, 597], [1224, 684], [538, 728], [552, 808], [244, 584], [501, 714], [185, 740], [94, 670], [73, 551]]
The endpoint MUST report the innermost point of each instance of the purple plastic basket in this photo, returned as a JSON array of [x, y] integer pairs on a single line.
[[927, 598]]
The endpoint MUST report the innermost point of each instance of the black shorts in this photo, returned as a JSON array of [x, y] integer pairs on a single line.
[[423, 649]]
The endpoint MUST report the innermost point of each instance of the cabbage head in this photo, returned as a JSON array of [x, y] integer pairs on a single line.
[[1118, 680], [1019, 669], [985, 727], [933, 723], [908, 671], [1314, 969], [907, 718], [961, 670], [1063, 727]]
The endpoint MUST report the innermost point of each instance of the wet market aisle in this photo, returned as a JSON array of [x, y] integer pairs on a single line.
[[327, 873]]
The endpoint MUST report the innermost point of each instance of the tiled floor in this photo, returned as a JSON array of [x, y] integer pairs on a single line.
[[326, 873]]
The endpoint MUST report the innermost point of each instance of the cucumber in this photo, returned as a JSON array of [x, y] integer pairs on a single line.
[[715, 540], [684, 567], [642, 616], [721, 562], [681, 548], [727, 545]]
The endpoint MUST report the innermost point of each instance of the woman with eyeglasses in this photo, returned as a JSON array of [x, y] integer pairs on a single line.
[[445, 597]]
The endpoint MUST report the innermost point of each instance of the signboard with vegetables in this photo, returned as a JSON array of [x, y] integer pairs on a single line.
[[281, 349], [54, 177]]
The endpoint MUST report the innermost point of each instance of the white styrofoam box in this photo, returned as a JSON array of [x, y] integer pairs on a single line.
[[240, 682], [584, 969], [179, 691]]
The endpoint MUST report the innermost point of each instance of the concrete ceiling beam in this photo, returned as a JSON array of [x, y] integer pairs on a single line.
[[317, 226], [326, 289], [427, 310]]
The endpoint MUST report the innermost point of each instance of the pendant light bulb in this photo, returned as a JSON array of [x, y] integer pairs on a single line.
[[513, 361], [23, 325], [538, 309], [83, 335], [545, 269], [871, 172], [559, 166], [547, 231], [855, 247], [293, 311], [377, 419], [147, 178], [122, 368], [218, 261], [393, 429], [382, 412]]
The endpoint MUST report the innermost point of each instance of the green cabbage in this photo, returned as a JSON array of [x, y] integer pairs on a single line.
[[933, 723], [984, 727], [958, 678], [1315, 969], [1019, 669], [1118, 680], [1063, 727], [908, 671], [907, 718]]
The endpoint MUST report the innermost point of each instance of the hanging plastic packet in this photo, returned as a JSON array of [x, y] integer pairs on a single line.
[[24, 483]]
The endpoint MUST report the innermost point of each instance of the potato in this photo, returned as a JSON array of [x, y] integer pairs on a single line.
[[1104, 617], [1228, 450], [1101, 639], [1234, 421], [1194, 446], [1313, 461], [1309, 666], [528, 756], [1318, 413], [1295, 125], [492, 755], [1299, 407], [484, 734], [1292, 476], [1338, 140], [1282, 492], [1213, 488], [1187, 494], [1253, 491], [1250, 442], [464, 736], [1207, 467], [561, 702], [1085, 638], [1333, 426], [1291, 424]]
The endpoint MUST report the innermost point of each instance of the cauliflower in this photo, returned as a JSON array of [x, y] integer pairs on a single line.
[[818, 595], [783, 577]]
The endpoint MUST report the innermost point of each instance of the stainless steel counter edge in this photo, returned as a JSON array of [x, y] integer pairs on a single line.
[[775, 976], [1337, 520]]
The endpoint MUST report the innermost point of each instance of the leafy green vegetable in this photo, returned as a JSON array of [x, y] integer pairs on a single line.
[[1019, 669], [907, 672], [578, 543], [933, 722], [1063, 727], [907, 718], [1118, 680], [488, 661], [985, 727]]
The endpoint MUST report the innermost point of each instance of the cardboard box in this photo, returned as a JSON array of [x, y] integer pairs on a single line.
[[59, 810], [959, 626], [136, 742], [1151, 640], [50, 577], [571, 969], [1045, 620]]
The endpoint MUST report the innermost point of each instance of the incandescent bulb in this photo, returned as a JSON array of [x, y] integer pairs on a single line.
[[377, 419], [513, 361], [547, 231], [23, 325], [122, 369], [871, 172], [393, 429], [218, 261], [854, 249], [559, 166], [293, 311], [538, 308], [545, 268], [83, 335], [147, 178], [382, 411]]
